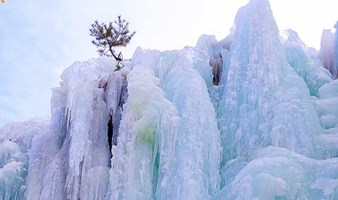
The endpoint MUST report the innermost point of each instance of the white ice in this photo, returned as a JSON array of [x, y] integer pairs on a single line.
[[253, 116]]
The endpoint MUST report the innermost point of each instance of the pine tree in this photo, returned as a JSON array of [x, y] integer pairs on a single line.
[[115, 34]]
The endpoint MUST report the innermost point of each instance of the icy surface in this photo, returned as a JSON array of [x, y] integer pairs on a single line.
[[15, 143], [278, 173], [71, 160], [253, 116], [169, 146], [336, 45], [267, 102], [327, 51], [264, 101], [305, 64]]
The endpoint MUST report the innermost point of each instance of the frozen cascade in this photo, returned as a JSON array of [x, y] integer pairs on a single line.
[[336, 45], [253, 116], [169, 145], [74, 152], [116, 95], [262, 106], [327, 51], [307, 66], [15, 143], [267, 102]]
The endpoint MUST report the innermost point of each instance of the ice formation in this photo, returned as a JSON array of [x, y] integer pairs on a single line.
[[336, 45], [15, 144], [253, 116], [329, 50]]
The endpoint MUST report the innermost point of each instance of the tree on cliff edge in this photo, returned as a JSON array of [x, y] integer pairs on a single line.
[[107, 37]]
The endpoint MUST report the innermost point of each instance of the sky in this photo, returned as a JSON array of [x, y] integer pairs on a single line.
[[40, 38]]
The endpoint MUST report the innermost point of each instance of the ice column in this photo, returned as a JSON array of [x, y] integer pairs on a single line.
[[260, 89], [336, 46], [71, 159], [327, 51]]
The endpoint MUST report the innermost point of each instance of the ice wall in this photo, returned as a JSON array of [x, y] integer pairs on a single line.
[[327, 51], [253, 116], [336, 45], [72, 159], [169, 145], [275, 135], [256, 107], [304, 61], [15, 143]]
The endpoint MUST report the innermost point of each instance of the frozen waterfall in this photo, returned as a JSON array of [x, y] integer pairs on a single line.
[[253, 116]]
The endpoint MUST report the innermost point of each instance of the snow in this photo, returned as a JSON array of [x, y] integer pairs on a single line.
[[266, 129]]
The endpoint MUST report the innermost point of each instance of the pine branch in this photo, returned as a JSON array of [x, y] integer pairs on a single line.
[[108, 36]]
